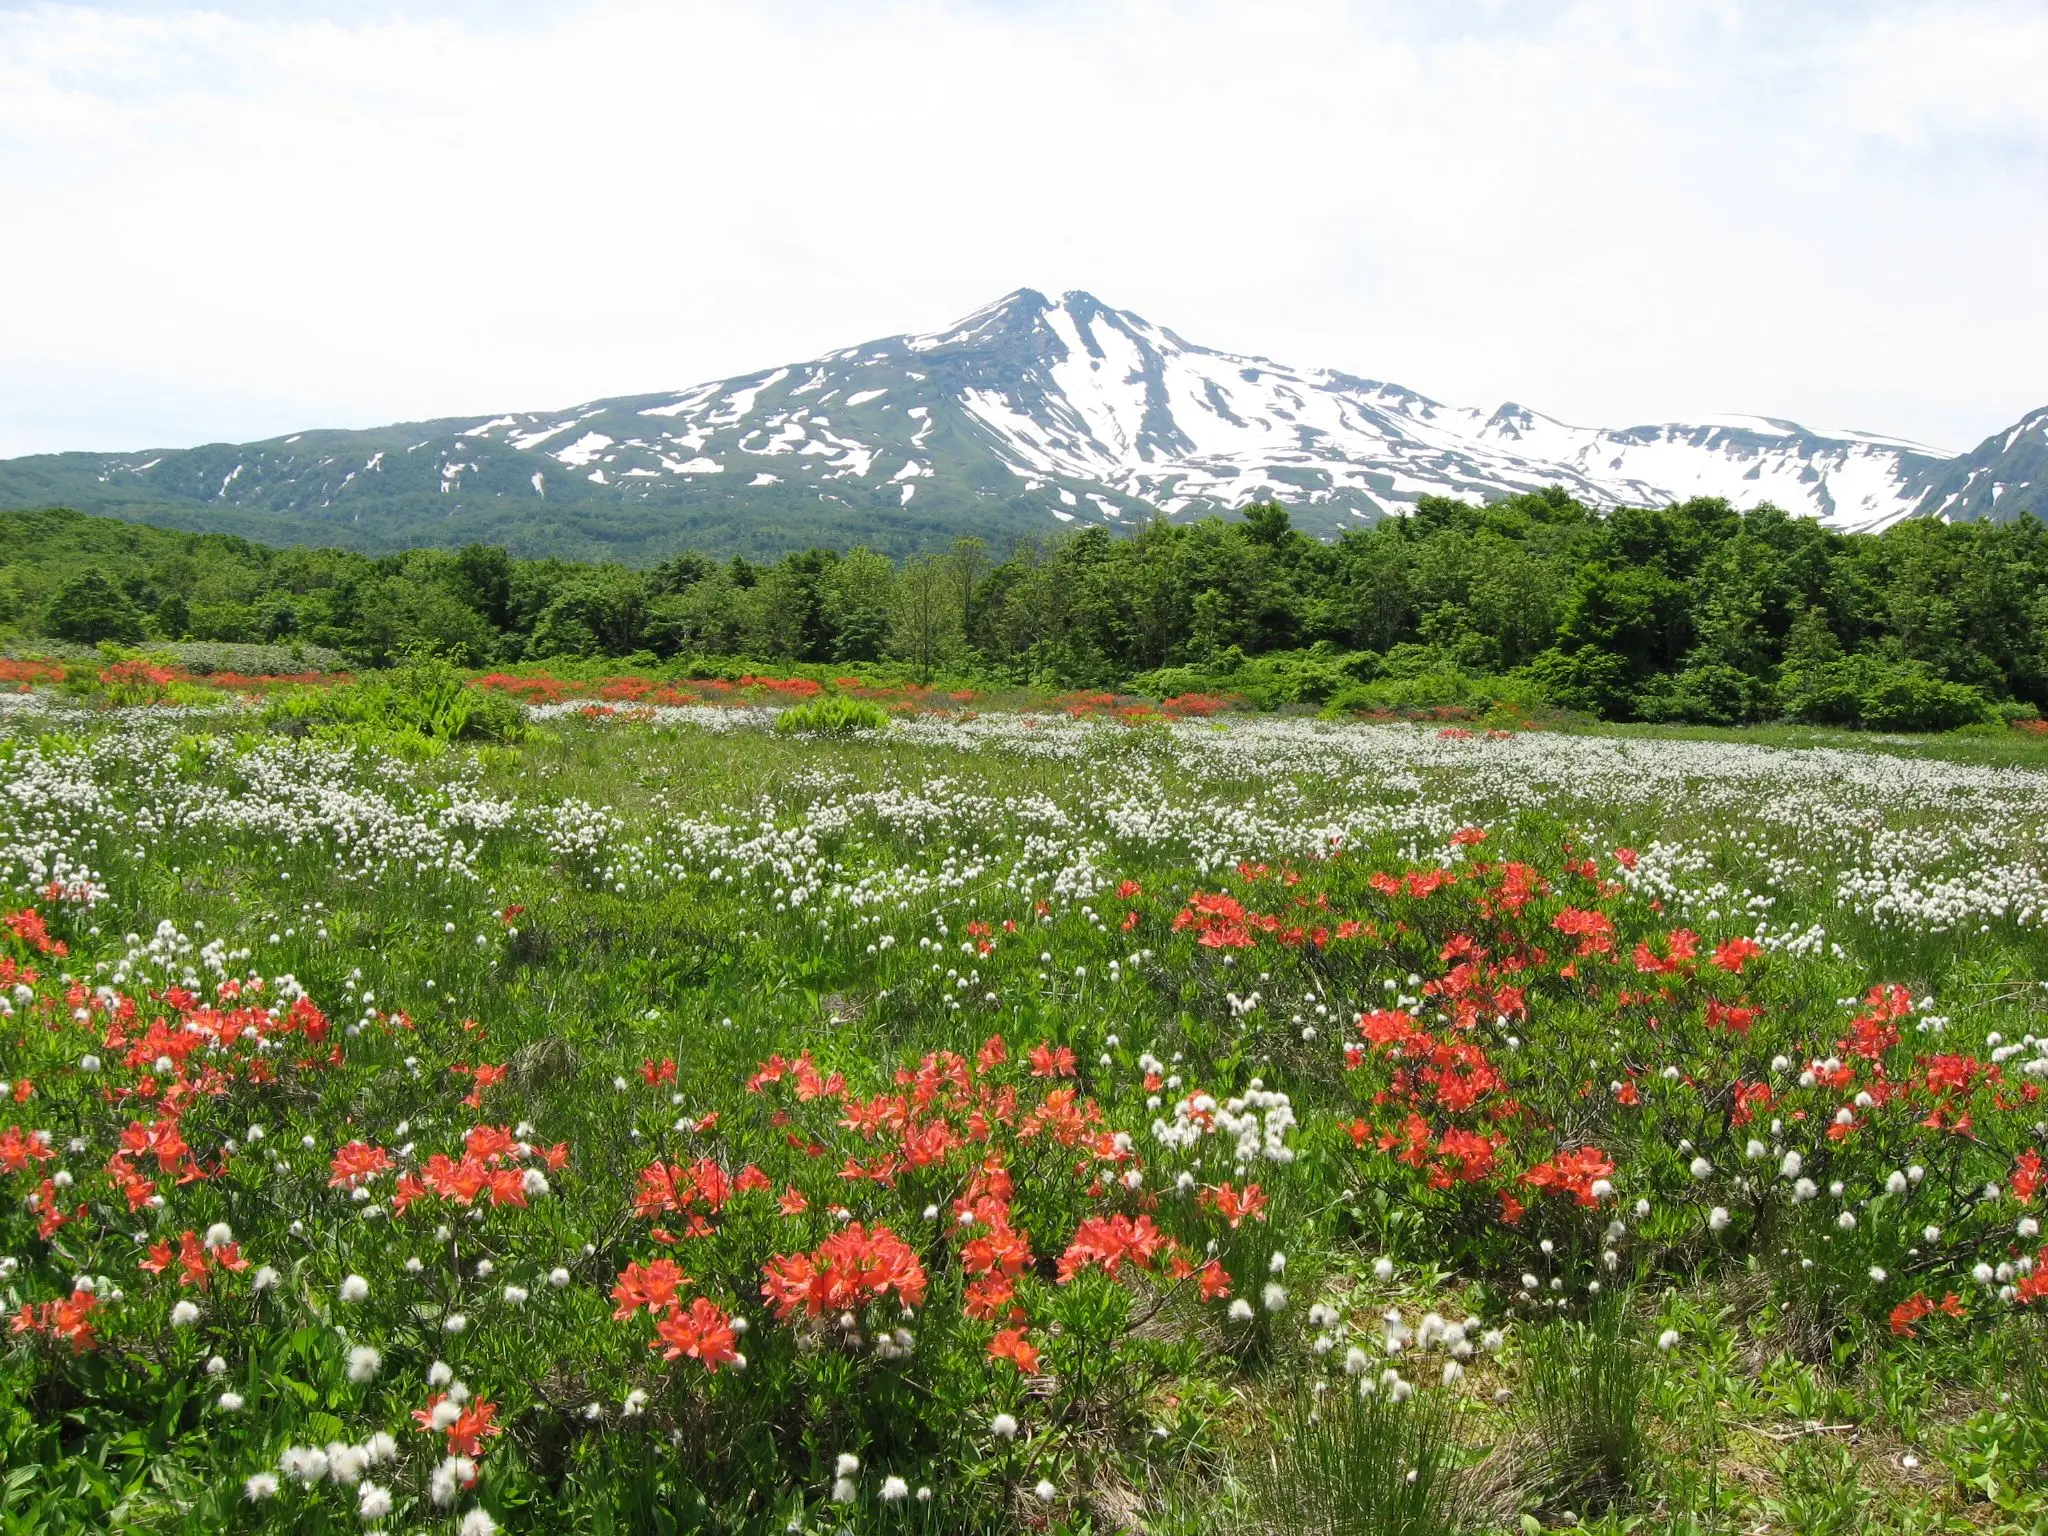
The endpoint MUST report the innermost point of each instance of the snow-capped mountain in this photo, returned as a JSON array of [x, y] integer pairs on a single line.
[[1025, 415], [2007, 474]]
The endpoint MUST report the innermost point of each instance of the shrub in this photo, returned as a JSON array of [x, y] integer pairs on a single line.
[[831, 715], [1590, 680], [425, 701], [1716, 694], [1908, 697], [1881, 695], [1276, 678], [206, 657], [1442, 689]]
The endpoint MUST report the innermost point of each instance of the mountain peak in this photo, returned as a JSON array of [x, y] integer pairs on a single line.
[[1026, 414], [1018, 309]]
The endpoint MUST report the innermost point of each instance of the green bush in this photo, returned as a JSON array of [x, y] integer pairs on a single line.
[[209, 656], [831, 714], [1278, 677], [1448, 688], [1589, 680], [1716, 694], [1909, 698], [1881, 695], [425, 702]]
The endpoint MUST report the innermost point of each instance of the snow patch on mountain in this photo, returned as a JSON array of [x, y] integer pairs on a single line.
[[1035, 412]]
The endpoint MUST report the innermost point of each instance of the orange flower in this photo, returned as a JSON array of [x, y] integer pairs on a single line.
[[1234, 1205], [1048, 1060], [18, 1150], [1573, 1173], [355, 1163], [466, 1436], [1011, 1345], [1108, 1241], [1731, 955], [846, 1271], [703, 1333], [653, 1286]]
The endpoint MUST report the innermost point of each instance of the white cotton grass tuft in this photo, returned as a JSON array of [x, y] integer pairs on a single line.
[[363, 1364], [447, 1481], [1004, 1426], [345, 1463], [477, 1522], [893, 1489], [184, 1314], [258, 1486], [373, 1502], [230, 1402], [355, 1288], [1046, 1491]]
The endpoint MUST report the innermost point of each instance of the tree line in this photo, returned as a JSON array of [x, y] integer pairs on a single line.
[[1690, 612]]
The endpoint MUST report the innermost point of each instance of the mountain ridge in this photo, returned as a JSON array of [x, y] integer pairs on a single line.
[[1023, 416]]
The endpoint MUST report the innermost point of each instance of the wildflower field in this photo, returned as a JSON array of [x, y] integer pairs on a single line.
[[684, 1115]]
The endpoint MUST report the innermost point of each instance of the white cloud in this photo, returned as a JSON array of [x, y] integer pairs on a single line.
[[220, 224]]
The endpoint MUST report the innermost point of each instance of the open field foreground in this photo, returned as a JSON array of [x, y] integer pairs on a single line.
[[666, 1122]]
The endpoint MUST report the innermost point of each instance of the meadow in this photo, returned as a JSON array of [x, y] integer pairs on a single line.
[[725, 1112]]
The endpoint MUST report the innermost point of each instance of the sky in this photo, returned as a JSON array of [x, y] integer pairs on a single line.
[[233, 221]]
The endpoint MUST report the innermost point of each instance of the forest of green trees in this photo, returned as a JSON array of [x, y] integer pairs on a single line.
[[1691, 613]]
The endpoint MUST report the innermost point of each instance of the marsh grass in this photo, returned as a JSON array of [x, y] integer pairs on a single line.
[[1588, 1395], [1352, 1465]]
